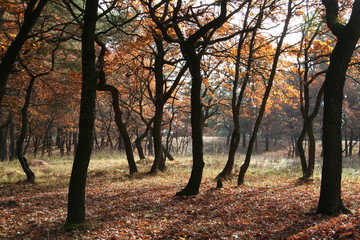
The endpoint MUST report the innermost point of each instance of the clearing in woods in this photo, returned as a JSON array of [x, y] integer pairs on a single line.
[[273, 204]]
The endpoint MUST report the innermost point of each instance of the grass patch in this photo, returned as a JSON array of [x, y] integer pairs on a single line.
[[272, 204]]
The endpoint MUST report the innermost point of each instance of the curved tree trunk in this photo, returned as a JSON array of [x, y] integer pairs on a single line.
[[24, 122], [119, 123], [102, 86], [300, 147]]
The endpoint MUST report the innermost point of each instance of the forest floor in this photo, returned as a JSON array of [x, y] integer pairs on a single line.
[[273, 204]]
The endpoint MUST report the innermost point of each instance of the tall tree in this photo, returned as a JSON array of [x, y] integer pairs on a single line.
[[103, 86], [271, 78], [192, 46], [309, 59], [237, 96], [348, 35], [76, 197], [162, 94]]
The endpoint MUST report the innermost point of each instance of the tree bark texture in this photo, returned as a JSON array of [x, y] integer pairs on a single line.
[[330, 201], [76, 197]]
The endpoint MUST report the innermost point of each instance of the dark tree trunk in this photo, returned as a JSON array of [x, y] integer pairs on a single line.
[[308, 168], [346, 141], [150, 145], [75, 141], [234, 143], [157, 136], [12, 148], [330, 201], [351, 142], [244, 140], [267, 138], [24, 122], [3, 142], [68, 143], [300, 147], [253, 137], [32, 13], [49, 143], [237, 98], [193, 186], [102, 86], [167, 153], [159, 104], [36, 144], [140, 148], [76, 198]]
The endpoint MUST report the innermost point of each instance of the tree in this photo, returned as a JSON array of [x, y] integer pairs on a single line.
[[271, 78], [103, 86], [192, 43], [330, 201], [76, 197], [162, 94], [237, 96], [310, 57], [31, 14]]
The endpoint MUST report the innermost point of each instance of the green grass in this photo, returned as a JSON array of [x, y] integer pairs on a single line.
[[58, 169]]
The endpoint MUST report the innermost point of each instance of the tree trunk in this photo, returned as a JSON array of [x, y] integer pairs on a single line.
[[12, 148], [330, 201], [36, 143], [157, 136], [31, 14], [300, 147], [3, 142], [24, 122], [234, 143], [76, 197], [193, 186], [140, 148], [102, 86], [267, 138], [351, 142], [253, 137]]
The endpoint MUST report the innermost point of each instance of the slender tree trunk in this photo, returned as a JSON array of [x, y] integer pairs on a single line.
[[36, 143], [3, 142], [300, 148], [12, 142], [346, 141], [311, 152], [351, 142], [253, 137], [24, 122], [76, 197], [102, 86]]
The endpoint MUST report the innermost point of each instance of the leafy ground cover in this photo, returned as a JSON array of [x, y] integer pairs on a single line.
[[272, 204]]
